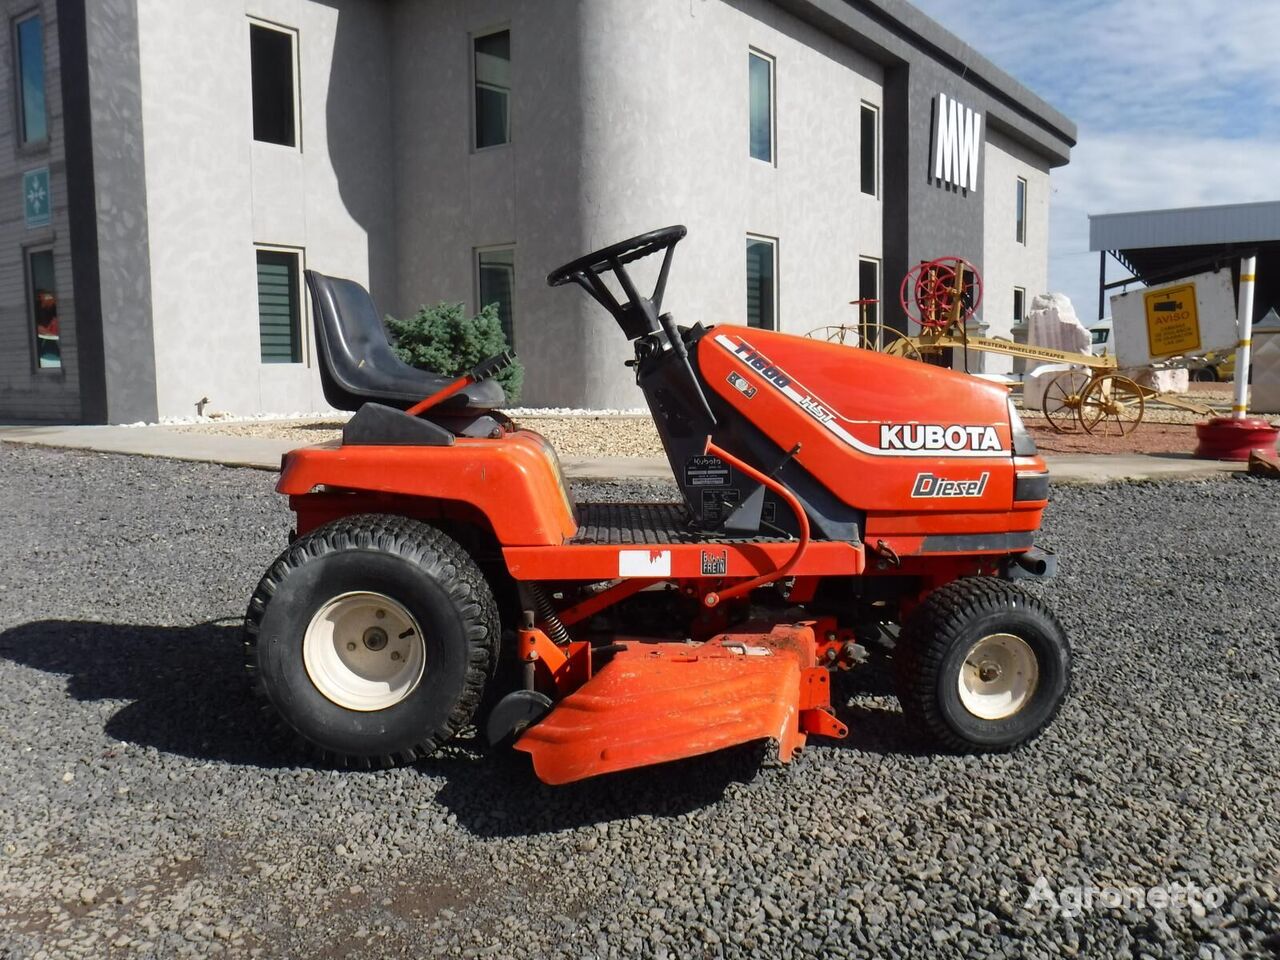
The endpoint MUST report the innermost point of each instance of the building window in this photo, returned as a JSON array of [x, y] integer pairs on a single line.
[[1021, 212], [496, 280], [273, 64], [760, 69], [29, 43], [42, 294], [279, 307], [869, 289], [1019, 304], [492, 54], [870, 149], [762, 284]]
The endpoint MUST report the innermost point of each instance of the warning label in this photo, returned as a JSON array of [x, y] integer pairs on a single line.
[[715, 564], [1173, 326], [718, 504], [706, 471]]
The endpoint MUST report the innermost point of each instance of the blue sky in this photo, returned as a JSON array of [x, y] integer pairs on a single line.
[[1177, 104]]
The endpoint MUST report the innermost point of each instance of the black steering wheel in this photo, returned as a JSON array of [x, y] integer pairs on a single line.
[[639, 316], [618, 254]]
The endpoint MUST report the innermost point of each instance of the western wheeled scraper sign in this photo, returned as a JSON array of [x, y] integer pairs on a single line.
[[1186, 318]]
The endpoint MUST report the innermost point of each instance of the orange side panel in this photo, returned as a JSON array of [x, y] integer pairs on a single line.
[[885, 434], [682, 561], [515, 481]]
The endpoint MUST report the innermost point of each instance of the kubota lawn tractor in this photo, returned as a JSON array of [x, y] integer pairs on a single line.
[[442, 577]]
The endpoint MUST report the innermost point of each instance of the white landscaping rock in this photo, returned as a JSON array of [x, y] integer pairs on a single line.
[[1052, 322], [1035, 382], [1174, 380], [1264, 392]]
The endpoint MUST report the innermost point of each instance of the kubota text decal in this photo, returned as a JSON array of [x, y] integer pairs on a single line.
[[893, 439]]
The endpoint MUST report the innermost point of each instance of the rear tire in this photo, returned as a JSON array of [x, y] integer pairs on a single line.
[[371, 638], [982, 666]]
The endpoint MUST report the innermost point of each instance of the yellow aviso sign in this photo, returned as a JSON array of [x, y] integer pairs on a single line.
[[1173, 324]]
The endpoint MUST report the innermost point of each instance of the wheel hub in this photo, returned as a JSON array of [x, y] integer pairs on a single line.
[[998, 677], [364, 651]]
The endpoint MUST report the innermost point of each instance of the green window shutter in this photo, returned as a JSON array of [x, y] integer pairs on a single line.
[[278, 307]]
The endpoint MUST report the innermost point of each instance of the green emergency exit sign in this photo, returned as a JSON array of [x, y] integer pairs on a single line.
[[35, 197]]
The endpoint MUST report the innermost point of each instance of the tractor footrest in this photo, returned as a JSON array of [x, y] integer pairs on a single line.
[[655, 702]]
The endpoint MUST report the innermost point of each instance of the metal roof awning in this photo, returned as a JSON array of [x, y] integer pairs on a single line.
[[1161, 245]]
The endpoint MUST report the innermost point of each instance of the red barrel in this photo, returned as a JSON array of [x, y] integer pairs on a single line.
[[1223, 438]]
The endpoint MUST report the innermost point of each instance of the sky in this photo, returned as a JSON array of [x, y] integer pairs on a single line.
[[1177, 104]]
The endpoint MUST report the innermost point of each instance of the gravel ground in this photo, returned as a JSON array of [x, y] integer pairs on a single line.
[[143, 812]]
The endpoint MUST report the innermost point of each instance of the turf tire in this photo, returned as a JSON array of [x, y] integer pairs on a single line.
[[931, 650], [433, 578]]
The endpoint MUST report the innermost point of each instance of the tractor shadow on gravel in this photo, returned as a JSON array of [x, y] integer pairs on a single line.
[[186, 686], [186, 693], [497, 795]]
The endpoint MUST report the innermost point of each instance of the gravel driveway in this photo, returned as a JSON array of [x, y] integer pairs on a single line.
[[144, 813]]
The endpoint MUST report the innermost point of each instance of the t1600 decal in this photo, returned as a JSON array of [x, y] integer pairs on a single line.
[[894, 439]]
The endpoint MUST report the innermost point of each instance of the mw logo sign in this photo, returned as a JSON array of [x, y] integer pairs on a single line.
[[957, 142]]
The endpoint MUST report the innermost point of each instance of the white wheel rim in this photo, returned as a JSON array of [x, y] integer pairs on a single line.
[[998, 676], [364, 651]]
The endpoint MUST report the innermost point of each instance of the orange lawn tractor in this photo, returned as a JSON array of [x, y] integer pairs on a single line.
[[441, 576]]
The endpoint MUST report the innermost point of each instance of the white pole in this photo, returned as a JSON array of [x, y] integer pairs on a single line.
[[1244, 321]]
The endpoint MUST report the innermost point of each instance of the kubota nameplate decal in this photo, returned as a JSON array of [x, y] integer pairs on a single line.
[[705, 470], [932, 485], [937, 436], [893, 439]]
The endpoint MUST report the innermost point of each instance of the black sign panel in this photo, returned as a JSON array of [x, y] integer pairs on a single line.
[[706, 471]]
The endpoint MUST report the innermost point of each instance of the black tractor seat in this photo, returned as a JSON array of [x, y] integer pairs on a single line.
[[358, 366]]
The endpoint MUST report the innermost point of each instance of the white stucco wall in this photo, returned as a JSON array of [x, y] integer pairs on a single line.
[[213, 193], [1006, 262], [625, 117]]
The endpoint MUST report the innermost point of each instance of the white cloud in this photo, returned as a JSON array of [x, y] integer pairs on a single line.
[[1177, 103], [1115, 172]]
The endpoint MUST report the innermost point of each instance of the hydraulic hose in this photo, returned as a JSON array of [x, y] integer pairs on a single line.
[[787, 497]]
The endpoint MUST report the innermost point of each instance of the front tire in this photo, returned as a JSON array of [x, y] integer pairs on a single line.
[[984, 667], [371, 638]]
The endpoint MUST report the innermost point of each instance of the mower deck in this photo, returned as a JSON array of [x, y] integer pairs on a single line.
[[658, 701]]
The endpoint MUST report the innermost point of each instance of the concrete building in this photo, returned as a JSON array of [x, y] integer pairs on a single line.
[[197, 155]]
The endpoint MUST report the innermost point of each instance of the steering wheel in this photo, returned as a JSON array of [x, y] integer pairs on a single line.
[[618, 254], [639, 316]]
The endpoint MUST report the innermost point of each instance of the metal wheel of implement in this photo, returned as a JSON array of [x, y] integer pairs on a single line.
[[885, 339], [364, 651], [870, 336], [835, 334], [1061, 402], [999, 675], [1112, 406]]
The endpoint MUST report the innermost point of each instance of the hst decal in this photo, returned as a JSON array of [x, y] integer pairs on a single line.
[[894, 440], [932, 485], [938, 437]]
